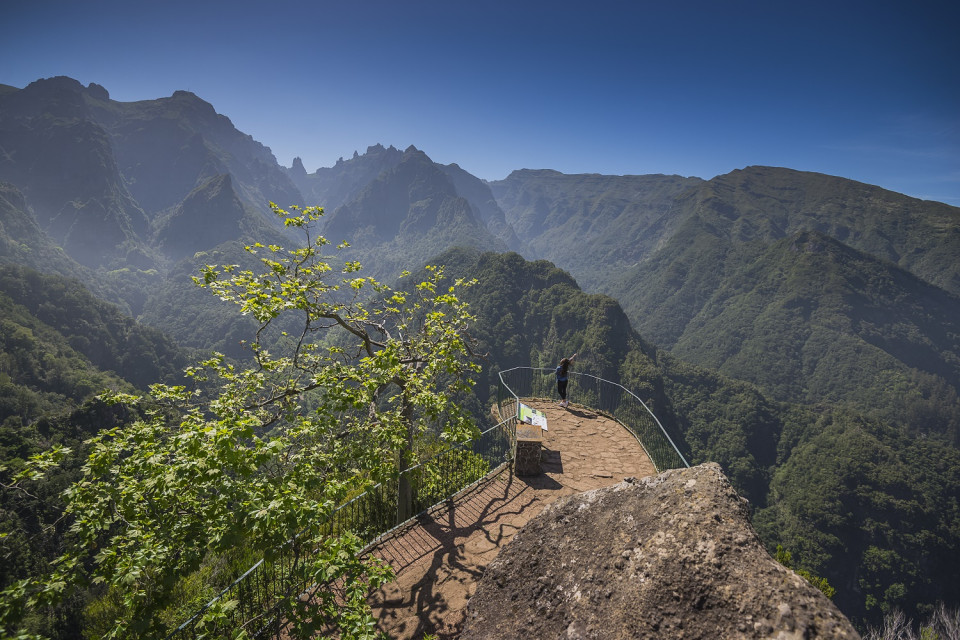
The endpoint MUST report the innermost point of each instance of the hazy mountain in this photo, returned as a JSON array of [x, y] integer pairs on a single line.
[[760, 287], [766, 203], [746, 210], [594, 225], [726, 273], [62, 160], [23, 242], [408, 214], [95, 171], [330, 187], [480, 196], [740, 284], [167, 147], [195, 316], [720, 271], [812, 320], [211, 214]]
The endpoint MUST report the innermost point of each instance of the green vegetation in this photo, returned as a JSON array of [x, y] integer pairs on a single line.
[[95, 329], [865, 504], [532, 314], [811, 323], [785, 558], [259, 455], [593, 225], [872, 509], [812, 305], [814, 288], [59, 347], [176, 306]]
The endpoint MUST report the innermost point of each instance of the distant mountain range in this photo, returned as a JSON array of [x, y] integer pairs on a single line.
[[98, 174], [802, 283], [813, 287]]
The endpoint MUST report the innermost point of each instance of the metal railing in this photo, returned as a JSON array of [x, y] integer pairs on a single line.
[[256, 596], [607, 397]]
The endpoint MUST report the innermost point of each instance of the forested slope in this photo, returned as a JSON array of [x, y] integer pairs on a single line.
[[60, 347], [864, 503], [595, 226], [812, 320], [109, 340], [816, 288]]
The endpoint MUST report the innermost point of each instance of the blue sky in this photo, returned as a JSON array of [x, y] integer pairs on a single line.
[[864, 90]]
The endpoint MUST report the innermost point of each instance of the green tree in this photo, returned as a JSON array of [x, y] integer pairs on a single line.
[[785, 558], [261, 454]]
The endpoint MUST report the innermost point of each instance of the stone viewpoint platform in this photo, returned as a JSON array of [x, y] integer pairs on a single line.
[[439, 560]]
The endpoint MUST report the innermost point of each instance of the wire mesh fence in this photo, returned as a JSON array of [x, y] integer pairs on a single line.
[[256, 600], [607, 397]]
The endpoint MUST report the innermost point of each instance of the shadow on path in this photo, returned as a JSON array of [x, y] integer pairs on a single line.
[[439, 560]]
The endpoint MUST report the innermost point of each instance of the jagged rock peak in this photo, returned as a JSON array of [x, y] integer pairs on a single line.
[[194, 100], [376, 149], [528, 173], [56, 83], [98, 91], [668, 556], [298, 166], [412, 154]]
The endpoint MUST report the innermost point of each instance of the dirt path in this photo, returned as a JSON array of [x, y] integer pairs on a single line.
[[439, 561]]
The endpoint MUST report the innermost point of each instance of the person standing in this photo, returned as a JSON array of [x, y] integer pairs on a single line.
[[562, 369]]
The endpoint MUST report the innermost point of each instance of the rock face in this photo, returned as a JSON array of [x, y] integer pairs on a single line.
[[669, 556]]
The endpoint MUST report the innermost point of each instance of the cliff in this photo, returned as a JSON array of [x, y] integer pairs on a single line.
[[668, 556]]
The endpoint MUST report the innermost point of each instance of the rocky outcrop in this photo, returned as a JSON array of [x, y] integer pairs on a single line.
[[213, 213], [669, 556]]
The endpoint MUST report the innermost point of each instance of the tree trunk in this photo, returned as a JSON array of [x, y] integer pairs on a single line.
[[405, 487]]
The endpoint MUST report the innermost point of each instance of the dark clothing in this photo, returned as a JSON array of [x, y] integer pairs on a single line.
[[562, 388]]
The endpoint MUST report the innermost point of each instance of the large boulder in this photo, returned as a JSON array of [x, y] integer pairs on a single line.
[[669, 556]]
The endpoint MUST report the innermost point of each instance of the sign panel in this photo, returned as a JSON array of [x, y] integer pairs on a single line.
[[529, 415]]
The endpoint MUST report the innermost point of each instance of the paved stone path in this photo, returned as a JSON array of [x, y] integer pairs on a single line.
[[439, 561]]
